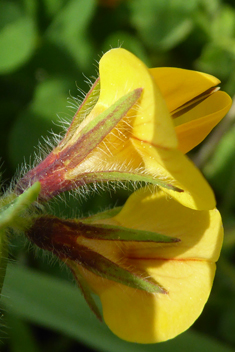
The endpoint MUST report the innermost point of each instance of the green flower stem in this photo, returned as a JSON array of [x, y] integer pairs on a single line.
[[13, 208], [15, 214]]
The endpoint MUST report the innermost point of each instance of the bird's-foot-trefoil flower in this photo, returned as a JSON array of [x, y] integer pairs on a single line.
[[152, 262], [136, 125]]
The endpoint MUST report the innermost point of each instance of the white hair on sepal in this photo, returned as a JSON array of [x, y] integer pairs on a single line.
[[76, 102], [82, 92], [63, 122], [43, 149], [89, 81], [81, 193], [73, 102], [51, 141]]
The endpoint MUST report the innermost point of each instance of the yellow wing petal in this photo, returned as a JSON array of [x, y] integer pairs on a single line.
[[193, 126], [178, 86]]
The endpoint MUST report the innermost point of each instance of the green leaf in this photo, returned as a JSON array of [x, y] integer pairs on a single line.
[[129, 42], [69, 28], [162, 24], [223, 25], [52, 7], [20, 335], [220, 168], [9, 12], [211, 7], [50, 98], [56, 304], [220, 171], [218, 58], [31, 7], [17, 44]]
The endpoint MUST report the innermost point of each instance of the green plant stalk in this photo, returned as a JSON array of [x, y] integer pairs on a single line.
[[16, 214]]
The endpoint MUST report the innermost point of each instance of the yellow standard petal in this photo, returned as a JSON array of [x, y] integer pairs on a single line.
[[185, 269], [122, 72], [121, 142]]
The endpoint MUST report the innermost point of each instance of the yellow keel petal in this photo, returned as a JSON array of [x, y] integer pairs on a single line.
[[193, 127], [178, 86]]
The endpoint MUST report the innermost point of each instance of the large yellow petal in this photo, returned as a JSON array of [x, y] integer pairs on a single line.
[[178, 86], [186, 269], [137, 316], [173, 167], [122, 72], [193, 126]]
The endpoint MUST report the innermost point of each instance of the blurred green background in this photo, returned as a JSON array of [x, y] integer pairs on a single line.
[[48, 48]]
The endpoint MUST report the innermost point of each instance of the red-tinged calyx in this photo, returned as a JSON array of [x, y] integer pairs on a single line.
[[64, 239], [52, 171]]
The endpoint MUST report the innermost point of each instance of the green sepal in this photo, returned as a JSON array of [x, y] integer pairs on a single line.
[[74, 228], [120, 233], [12, 209], [83, 110], [98, 128], [85, 289], [62, 237], [115, 176], [101, 266]]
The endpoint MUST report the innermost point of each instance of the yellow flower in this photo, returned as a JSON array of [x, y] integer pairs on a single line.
[[151, 262], [184, 269], [129, 134]]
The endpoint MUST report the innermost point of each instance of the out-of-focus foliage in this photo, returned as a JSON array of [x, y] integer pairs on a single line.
[[47, 48]]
